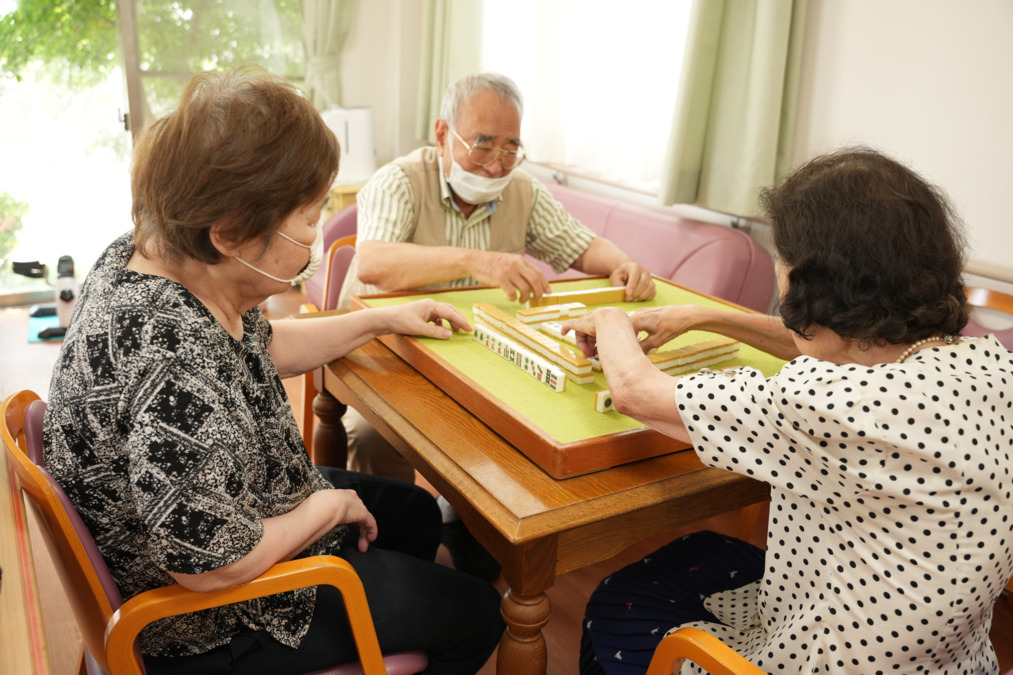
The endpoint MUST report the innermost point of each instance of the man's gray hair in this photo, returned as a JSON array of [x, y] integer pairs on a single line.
[[467, 86]]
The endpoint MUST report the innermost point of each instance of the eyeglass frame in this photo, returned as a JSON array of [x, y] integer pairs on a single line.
[[519, 153]]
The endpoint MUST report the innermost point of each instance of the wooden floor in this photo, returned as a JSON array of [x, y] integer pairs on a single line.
[[27, 366]]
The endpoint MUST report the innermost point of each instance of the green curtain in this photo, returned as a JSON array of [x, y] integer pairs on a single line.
[[325, 25], [451, 47], [735, 113]]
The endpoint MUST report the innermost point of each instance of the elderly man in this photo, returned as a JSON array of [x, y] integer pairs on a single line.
[[462, 214]]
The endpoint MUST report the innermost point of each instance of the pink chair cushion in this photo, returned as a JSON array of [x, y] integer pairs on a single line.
[[341, 224], [341, 260], [975, 329], [35, 412], [404, 663]]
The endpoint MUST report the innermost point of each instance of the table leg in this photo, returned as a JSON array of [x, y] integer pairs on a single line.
[[330, 441], [522, 648]]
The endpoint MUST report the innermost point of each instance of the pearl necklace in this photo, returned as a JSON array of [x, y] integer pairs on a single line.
[[948, 339]]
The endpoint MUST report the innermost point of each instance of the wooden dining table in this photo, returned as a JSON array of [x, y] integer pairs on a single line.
[[535, 525]]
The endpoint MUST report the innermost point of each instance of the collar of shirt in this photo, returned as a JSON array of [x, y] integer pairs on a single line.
[[447, 197]]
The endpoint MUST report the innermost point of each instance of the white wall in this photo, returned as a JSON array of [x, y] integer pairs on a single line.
[[380, 70], [928, 81]]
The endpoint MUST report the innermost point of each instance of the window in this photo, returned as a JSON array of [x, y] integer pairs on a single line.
[[176, 38], [67, 175], [599, 80], [67, 163]]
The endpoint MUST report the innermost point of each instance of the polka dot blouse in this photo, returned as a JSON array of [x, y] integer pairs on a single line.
[[891, 523]]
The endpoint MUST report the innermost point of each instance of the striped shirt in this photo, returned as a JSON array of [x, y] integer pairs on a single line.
[[387, 213]]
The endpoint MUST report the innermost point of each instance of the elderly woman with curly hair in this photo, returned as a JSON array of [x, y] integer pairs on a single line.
[[170, 430], [887, 442]]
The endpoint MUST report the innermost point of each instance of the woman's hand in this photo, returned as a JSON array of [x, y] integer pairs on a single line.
[[347, 509], [286, 535], [663, 324], [638, 388], [585, 331], [425, 318]]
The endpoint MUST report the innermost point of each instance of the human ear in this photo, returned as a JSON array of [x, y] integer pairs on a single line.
[[222, 237], [441, 130]]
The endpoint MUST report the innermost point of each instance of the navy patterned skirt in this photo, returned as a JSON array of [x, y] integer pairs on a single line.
[[632, 610]]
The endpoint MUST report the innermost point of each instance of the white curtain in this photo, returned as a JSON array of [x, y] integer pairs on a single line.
[[325, 25], [599, 80], [735, 116], [451, 48]]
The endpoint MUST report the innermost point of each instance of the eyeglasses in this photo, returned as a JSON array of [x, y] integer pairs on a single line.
[[484, 155]]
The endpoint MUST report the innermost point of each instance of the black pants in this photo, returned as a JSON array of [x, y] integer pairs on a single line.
[[416, 604]]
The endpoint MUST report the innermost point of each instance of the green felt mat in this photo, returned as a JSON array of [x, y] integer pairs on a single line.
[[567, 416]]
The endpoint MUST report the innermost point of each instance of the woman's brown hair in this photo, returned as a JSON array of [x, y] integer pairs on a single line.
[[243, 150], [875, 253]]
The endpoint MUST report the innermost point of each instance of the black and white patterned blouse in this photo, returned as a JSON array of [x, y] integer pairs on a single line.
[[174, 440], [891, 527]]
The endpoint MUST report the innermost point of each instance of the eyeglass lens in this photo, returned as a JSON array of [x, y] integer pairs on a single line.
[[484, 155]]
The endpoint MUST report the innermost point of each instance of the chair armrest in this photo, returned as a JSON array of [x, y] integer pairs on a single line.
[[701, 648], [159, 603]]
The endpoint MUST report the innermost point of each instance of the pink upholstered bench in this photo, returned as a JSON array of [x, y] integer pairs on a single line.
[[714, 259]]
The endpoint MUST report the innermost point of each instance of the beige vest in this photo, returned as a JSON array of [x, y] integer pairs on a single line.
[[507, 227]]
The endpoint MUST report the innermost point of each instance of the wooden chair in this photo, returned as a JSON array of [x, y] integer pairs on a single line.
[[109, 626], [991, 301], [338, 259], [701, 648]]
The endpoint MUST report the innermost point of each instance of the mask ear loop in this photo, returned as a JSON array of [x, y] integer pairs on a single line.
[[299, 277], [267, 274]]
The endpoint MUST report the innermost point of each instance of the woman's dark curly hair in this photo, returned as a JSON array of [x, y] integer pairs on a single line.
[[874, 253]]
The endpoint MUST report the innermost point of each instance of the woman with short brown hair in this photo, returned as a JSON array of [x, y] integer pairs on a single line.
[[169, 428]]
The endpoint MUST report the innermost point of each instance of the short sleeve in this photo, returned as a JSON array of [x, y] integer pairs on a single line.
[[187, 475], [806, 430], [386, 207]]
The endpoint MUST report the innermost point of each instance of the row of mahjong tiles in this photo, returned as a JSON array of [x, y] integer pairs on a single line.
[[516, 339]]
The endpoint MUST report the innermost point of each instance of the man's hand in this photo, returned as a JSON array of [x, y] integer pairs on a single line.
[[518, 278], [425, 318], [637, 280]]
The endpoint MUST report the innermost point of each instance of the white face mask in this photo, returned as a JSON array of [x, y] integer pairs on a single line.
[[316, 258], [471, 187]]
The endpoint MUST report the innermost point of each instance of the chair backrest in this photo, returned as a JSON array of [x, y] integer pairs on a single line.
[[987, 303], [338, 260], [90, 589], [341, 224]]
